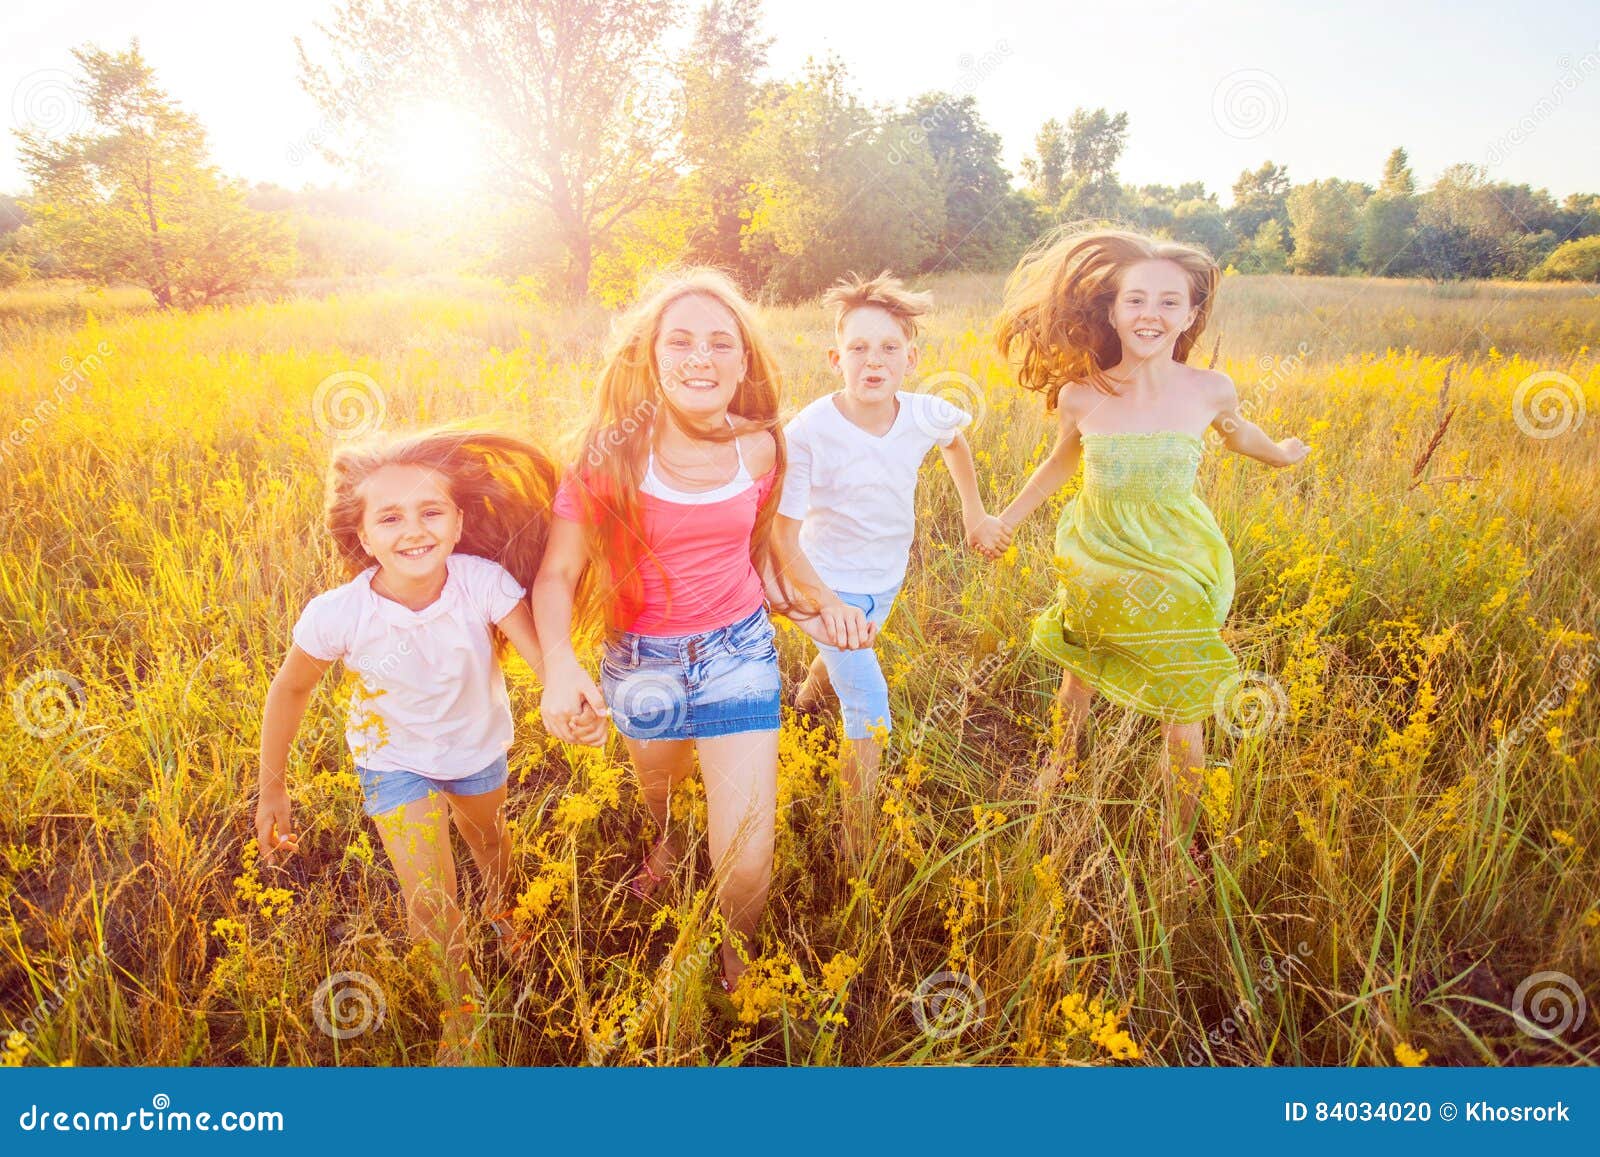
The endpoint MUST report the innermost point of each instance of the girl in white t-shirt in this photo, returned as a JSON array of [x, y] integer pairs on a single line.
[[442, 532]]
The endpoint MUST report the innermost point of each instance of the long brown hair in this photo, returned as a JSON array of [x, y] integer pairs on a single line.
[[1057, 307], [615, 444], [502, 483]]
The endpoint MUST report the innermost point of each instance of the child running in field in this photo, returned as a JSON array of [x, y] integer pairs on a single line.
[[673, 500], [442, 531], [847, 514], [1103, 323]]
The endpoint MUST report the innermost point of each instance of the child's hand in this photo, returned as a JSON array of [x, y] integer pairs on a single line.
[[813, 627], [1292, 451], [846, 626], [990, 537], [566, 707], [591, 727], [273, 834]]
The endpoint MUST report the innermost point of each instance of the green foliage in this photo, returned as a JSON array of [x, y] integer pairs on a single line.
[[986, 222], [134, 200], [1323, 216], [835, 190], [1574, 261]]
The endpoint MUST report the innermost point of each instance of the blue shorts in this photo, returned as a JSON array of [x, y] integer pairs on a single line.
[[856, 676], [383, 791], [717, 682]]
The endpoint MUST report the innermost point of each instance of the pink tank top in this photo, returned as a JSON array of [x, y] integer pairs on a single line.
[[694, 566]]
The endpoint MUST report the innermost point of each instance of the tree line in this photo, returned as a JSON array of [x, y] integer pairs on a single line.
[[612, 156]]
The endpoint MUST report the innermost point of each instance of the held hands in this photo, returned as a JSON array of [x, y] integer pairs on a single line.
[[273, 834], [573, 710], [989, 536], [838, 625], [1292, 451]]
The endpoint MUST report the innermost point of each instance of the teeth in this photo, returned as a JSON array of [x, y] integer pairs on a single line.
[[416, 551], [699, 383]]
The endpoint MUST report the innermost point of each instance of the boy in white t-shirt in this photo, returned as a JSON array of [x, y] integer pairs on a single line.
[[847, 512]]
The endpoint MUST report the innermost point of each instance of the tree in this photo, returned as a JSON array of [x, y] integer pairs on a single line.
[[1469, 227], [720, 95], [1265, 252], [1574, 261], [1259, 196], [1387, 232], [985, 220], [1200, 221], [1046, 170], [1095, 141], [1397, 179], [569, 90], [1323, 216], [133, 198], [836, 190]]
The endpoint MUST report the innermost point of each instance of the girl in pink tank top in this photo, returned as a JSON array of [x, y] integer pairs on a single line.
[[672, 506]]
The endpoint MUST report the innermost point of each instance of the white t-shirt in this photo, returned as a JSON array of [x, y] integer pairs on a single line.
[[432, 698], [857, 492]]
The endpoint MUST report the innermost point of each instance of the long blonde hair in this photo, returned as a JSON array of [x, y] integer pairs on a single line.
[[1057, 307], [616, 442], [503, 485]]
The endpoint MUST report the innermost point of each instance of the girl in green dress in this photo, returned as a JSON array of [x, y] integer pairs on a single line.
[[1103, 323]]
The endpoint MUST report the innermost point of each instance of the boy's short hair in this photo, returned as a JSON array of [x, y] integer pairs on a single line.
[[884, 291]]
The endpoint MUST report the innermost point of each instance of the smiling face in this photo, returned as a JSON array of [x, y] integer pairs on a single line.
[[701, 358], [410, 524], [1152, 309], [873, 356]]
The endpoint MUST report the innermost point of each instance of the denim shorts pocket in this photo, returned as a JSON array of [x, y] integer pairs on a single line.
[[755, 639]]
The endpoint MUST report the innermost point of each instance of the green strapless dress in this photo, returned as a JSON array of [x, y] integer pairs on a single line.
[[1146, 579]]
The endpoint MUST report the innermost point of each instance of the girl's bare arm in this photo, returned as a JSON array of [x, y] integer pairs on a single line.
[[1049, 476], [287, 699], [1243, 436], [570, 695]]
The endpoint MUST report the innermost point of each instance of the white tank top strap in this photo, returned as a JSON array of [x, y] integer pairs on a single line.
[[738, 484]]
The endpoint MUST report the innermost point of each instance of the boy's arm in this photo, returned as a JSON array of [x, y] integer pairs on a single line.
[[964, 473], [841, 625], [1243, 436], [287, 699]]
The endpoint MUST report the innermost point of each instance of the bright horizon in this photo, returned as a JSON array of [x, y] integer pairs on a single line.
[[1204, 100]]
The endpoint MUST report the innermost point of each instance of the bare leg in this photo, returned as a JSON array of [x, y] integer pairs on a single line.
[[741, 775], [858, 770], [660, 765], [812, 695], [1072, 702], [1183, 762], [481, 821], [417, 838]]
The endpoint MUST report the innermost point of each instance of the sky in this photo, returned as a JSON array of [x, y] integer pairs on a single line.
[[1209, 90]]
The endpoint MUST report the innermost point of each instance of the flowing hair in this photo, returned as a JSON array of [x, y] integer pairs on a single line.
[[1057, 307], [502, 484], [616, 442]]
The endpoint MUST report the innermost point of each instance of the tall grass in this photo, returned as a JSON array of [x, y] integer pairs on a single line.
[[1404, 830]]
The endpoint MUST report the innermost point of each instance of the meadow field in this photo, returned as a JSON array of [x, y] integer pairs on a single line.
[[1403, 821]]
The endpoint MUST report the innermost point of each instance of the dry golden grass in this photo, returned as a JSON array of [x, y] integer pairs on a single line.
[[1404, 833]]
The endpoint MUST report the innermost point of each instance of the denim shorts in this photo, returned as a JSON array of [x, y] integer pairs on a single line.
[[856, 675], [717, 682], [383, 791]]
